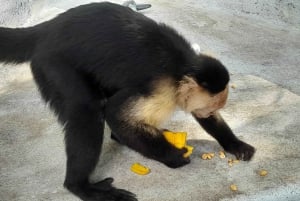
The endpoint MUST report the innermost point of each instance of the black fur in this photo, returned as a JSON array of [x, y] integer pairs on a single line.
[[17, 45], [88, 63], [217, 128]]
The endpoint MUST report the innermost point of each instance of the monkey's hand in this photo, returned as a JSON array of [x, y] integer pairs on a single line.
[[174, 157], [241, 150], [177, 140]]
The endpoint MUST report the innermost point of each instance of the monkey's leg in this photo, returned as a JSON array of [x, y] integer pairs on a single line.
[[217, 127], [80, 107], [141, 137]]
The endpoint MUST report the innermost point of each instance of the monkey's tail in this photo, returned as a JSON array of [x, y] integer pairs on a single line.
[[17, 44]]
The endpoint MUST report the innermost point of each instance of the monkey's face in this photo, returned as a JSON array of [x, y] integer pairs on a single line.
[[203, 104], [197, 100]]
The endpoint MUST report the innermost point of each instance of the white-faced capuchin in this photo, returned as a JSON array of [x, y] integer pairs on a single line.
[[104, 62]]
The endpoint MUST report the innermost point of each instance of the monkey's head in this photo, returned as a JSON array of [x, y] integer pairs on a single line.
[[204, 88]]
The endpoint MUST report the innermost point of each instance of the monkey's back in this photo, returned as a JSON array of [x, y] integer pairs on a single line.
[[110, 42]]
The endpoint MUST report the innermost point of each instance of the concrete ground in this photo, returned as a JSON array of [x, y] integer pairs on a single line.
[[259, 42]]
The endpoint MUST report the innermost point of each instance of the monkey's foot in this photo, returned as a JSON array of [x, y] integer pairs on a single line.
[[241, 150], [101, 191]]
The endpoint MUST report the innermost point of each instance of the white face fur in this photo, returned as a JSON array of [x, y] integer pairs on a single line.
[[197, 100], [209, 104]]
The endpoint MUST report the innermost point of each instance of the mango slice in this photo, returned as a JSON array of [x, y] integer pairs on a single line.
[[189, 152], [178, 139], [140, 169]]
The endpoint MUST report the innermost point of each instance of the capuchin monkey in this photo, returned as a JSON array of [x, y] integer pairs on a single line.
[[104, 62]]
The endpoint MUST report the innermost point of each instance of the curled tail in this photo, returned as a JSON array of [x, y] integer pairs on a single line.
[[17, 45]]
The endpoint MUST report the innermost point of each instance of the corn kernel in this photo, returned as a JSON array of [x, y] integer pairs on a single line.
[[222, 154], [233, 187], [263, 173]]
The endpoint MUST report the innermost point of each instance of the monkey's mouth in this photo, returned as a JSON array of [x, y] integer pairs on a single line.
[[202, 114]]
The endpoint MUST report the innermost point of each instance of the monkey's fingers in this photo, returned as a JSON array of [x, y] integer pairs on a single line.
[[105, 184], [176, 158], [241, 150], [104, 190]]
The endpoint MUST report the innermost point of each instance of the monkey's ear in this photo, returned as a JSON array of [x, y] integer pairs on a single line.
[[189, 82], [186, 85]]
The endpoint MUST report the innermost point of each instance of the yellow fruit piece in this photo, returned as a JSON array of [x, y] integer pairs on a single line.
[[189, 152], [178, 139], [139, 169], [263, 173], [233, 187]]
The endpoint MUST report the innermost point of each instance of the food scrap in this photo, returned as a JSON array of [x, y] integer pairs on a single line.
[[139, 169], [207, 156], [222, 154], [178, 139], [232, 161], [233, 187], [263, 173], [189, 152]]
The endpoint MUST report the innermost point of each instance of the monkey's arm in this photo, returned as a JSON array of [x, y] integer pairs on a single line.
[[217, 128], [138, 135]]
